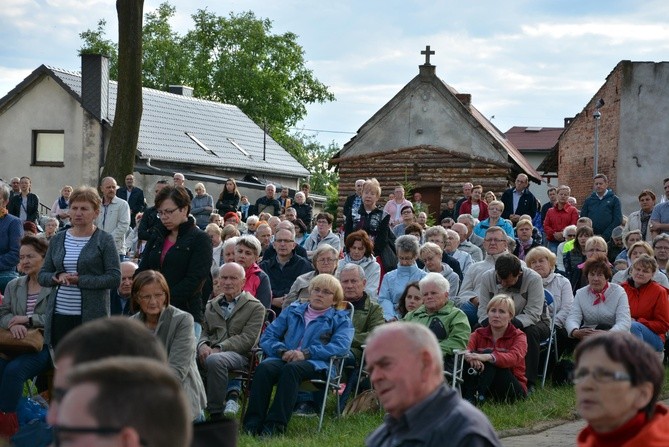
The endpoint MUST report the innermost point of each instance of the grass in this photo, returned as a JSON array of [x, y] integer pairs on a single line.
[[545, 405]]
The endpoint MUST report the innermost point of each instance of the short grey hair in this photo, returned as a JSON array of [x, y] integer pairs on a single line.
[[252, 220], [321, 249], [453, 233], [468, 217], [230, 241], [436, 230], [4, 192], [660, 237], [291, 230], [237, 267], [419, 337], [437, 279], [407, 244], [248, 241], [352, 266]]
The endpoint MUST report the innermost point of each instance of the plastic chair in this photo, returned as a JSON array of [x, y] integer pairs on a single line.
[[551, 342]]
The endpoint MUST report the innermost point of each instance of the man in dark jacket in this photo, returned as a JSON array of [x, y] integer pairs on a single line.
[[353, 202], [134, 196], [603, 208], [150, 221], [119, 298], [519, 200], [269, 203]]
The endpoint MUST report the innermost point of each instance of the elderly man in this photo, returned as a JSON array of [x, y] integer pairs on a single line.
[[519, 200], [129, 395], [437, 235], [448, 323], [353, 202], [230, 329], [268, 203], [640, 219], [119, 299], [15, 184], [284, 268], [468, 221], [114, 217], [466, 246], [526, 288], [603, 207], [659, 219], [452, 247], [467, 194], [180, 180], [134, 196], [405, 364], [661, 249], [11, 232], [264, 235], [495, 244]]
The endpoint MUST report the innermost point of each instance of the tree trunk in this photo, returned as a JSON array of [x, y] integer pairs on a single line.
[[120, 158]]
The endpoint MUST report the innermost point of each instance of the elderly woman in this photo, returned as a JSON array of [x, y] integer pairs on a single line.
[[438, 313], [322, 235], [629, 239], [359, 250], [151, 300], [410, 300], [180, 251], [61, 207], [229, 198], [50, 229], [395, 206], [569, 234], [496, 356], [495, 219], [452, 242], [297, 346], [303, 209], [635, 251], [600, 306], [640, 220], [23, 307], [524, 240], [230, 231], [618, 380], [11, 231], [201, 206], [246, 253], [649, 303], [394, 282], [325, 262], [81, 266], [430, 254], [585, 245], [408, 218], [542, 261]]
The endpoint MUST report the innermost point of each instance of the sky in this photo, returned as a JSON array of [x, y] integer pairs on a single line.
[[525, 62]]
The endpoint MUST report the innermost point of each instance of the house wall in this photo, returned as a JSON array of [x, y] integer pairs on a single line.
[[632, 135], [539, 191], [45, 106], [422, 167]]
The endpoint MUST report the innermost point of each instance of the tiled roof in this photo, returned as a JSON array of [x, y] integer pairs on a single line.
[[224, 130], [534, 138]]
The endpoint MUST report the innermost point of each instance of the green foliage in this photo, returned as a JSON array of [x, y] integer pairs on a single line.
[[234, 59], [315, 157]]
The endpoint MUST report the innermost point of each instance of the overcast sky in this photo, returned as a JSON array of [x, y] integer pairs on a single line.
[[527, 63]]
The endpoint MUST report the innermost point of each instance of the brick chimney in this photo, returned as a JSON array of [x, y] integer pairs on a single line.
[[182, 90], [95, 85]]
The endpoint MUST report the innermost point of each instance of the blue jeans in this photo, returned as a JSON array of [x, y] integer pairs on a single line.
[[472, 313], [5, 277], [645, 334], [14, 372]]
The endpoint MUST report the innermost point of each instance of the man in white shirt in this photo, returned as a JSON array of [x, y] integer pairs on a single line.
[[114, 217]]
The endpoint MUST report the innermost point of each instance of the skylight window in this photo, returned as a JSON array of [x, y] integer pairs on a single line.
[[201, 144], [234, 143]]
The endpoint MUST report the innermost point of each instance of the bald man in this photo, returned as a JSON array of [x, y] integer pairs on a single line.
[[519, 200]]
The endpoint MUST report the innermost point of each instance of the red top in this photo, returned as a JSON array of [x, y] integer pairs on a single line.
[[509, 350], [557, 219], [649, 305], [466, 208], [636, 432]]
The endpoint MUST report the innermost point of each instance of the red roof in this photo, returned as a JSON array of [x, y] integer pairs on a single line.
[[534, 138]]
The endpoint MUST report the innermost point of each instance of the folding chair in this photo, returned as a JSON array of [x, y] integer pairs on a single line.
[[454, 377], [332, 381], [551, 342]]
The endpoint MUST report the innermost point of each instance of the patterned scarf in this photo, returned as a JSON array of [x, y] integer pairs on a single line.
[[600, 298], [644, 218]]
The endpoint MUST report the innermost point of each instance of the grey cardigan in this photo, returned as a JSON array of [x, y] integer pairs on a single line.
[[99, 271], [175, 330], [16, 299]]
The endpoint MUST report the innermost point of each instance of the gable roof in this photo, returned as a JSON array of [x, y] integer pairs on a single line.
[[534, 138], [461, 103], [182, 129]]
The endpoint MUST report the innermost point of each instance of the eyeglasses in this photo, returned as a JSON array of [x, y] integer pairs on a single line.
[[283, 241], [661, 247], [326, 261], [60, 430], [570, 235], [323, 291], [599, 375], [494, 241], [406, 258], [167, 212], [595, 250], [156, 297]]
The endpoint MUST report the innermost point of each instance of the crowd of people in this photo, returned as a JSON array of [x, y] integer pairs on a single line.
[[214, 279]]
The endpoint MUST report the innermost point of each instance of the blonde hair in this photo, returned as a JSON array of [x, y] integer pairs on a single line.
[[497, 300], [329, 282]]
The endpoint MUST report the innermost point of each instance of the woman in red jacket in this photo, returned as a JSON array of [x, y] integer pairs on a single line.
[[558, 217], [496, 356], [649, 305]]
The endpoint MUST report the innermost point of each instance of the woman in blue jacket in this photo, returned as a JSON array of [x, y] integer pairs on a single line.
[[297, 346]]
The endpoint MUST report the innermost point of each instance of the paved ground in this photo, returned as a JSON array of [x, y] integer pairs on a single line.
[[562, 435]]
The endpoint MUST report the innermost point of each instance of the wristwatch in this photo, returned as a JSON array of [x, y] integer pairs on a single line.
[[30, 321]]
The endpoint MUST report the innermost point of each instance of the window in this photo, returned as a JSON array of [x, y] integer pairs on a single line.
[[48, 148]]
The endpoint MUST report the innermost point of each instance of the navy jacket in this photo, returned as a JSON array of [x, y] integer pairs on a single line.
[[136, 201], [606, 213], [32, 208], [526, 205], [282, 279]]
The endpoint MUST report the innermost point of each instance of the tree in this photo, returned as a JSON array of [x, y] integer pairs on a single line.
[[315, 157], [95, 43], [234, 59], [120, 159]]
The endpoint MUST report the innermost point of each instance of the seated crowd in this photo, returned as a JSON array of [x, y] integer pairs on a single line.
[[227, 286]]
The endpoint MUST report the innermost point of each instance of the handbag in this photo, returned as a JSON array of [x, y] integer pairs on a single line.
[[32, 342]]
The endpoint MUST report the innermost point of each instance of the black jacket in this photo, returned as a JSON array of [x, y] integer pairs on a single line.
[[136, 201], [32, 208], [526, 205], [186, 266], [227, 203]]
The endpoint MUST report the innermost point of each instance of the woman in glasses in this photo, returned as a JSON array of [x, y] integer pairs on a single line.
[[180, 251], [569, 233], [635, 251], [151, 300], [324, 259], [618, 379]]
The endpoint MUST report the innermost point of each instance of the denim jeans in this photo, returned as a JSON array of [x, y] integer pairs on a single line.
[[14, 372], [644, 333], [472, 313]]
